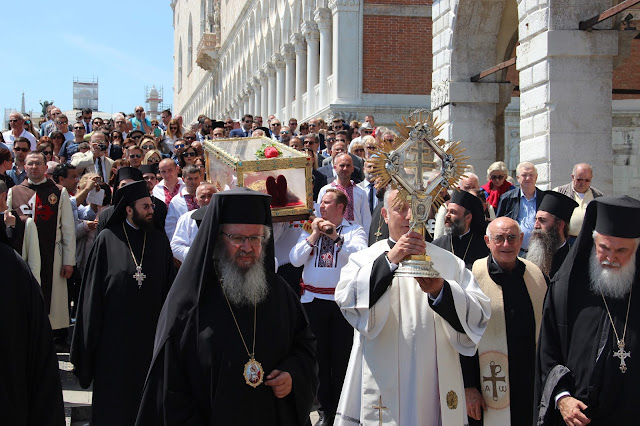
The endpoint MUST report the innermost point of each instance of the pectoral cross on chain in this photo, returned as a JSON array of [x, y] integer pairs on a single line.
[[379, 407], [622, 355], [139, 276]]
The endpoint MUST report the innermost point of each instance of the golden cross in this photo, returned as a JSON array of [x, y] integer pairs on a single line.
[[379, 407]]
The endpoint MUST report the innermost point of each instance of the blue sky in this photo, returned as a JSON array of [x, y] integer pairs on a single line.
[[127, 45]]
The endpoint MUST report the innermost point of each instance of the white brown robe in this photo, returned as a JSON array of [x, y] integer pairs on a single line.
[[393, 354]]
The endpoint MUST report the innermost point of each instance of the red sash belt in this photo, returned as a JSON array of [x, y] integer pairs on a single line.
[[318, 290]]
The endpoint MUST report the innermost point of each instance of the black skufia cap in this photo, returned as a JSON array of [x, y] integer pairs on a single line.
[[474, 205], [618, 217], [558, 205], [149, 168]]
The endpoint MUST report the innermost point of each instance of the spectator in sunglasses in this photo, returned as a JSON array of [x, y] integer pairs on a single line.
[[188, 156], [21, 147], [95, 160]]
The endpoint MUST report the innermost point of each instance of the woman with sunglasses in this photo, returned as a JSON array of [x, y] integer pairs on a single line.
[[497, 183], [173, 133], [202, 165], [57, 139], [116, 137], [188, 156], [28, 126], [148, 143], [152, 157], [47, 149], [357, 148]]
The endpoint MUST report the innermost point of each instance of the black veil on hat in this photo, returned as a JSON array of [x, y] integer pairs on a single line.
[[558, 205], [148, 168], [474, 205], [126, 195], [122, 174], [197, 274]]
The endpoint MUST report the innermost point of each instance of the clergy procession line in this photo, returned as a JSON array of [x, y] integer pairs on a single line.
[[190, 303]]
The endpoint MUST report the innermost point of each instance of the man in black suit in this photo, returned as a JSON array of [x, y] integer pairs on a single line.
[[245, 128], [311, 140]]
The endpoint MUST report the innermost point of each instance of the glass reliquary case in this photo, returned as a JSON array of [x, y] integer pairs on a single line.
[[267, 166]]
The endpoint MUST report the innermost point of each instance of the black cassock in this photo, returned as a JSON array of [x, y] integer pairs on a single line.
[[30, 388], [116, 320], [577, 334], [558, 258], [197, 375], [470, 247], [521, 344]]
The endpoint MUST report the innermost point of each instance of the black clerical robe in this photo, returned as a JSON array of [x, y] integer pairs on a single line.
[[196, 377], [30, 388], [521, 342], [470, 247], [558, 258], [575, 352], [116, 320], [379, 230]]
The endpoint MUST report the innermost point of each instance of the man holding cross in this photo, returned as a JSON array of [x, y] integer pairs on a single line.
[[126, 281]]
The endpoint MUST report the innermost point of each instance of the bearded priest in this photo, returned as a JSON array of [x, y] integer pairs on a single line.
[[590, 337], [233, 345], [127, 278]]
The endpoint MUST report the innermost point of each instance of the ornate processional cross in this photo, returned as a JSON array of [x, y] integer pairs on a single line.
[[379, 407], [139, 276], [622, 355]]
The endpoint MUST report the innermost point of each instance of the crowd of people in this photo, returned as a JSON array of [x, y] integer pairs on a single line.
[[185, 297]]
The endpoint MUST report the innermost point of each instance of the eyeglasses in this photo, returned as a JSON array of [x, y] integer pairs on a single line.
[[151, 206], [366, 132], [583, 180], [189, 154], [293, 123], [139, 110], [154, 124], [496, 177], [189, 138], [499, 239], [179, 146], [284, 132], [275, 124], [116, 137], [15, 148], [153, 160], [47, 152], [148, 147], [135, 156], [246, 121], [358, 150], [78, 128], [13, 121], [330, 139], [312, 125], [136, 137], [102, 146], [390, 140], [61, 122], [238, 240]]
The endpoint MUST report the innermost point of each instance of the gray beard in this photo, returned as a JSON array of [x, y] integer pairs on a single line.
[[542, 248], [242, 287], [455, 229], [614, 283]]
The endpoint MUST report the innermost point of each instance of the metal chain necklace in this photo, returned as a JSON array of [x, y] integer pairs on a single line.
[[465, 252], [620, 353], [253, 372], [138, 276]]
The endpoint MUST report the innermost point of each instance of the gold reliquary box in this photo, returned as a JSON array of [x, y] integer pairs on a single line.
[[267, 166]]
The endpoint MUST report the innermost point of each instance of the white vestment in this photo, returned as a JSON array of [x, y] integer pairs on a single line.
[[403, 351]]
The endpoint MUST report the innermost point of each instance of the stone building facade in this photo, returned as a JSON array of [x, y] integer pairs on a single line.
[[347, 58]]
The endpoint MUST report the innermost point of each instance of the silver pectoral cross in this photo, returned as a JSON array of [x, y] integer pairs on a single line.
[[622, 355], [139, 276]]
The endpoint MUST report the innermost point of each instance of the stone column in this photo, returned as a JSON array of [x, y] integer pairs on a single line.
[[279, 64], [300, 47], [346, 26], [252, 100], [263, 93], [311, 34], [289, 57], [256, 96], [565, 93], [246, 102], [323, 18], [270, 69]]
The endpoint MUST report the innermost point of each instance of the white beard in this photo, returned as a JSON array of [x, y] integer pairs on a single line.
[[242, 287], [615, 283]]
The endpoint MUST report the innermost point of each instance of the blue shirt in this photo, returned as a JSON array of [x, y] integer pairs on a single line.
[[15, 175], [68, 149], [527, 217]]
